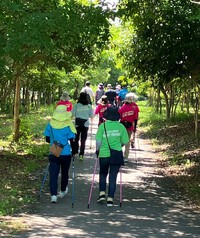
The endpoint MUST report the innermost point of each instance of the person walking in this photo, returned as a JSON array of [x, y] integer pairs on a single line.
[[101, 107], [99, 93], [64, 100], [122, 94], [136, 116], [127, 118], [110, 134], [117, 90], [111, 94], [60, 129], [82, 111], [88, 90]]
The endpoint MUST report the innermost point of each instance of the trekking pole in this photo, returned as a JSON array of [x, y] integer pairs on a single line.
[[91, 134], [120, 190], [73, 181], [91, 188], [44, 179], [138, 142], [138, 146], [135, 153]]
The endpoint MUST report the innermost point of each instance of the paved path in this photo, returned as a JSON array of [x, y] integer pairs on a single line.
[[151, 207]]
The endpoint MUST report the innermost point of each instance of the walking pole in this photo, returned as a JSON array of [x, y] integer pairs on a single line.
[[135, 154], [138, 142], [138, 146], [120, 197], [73, 182], [91, 188], [44, 179], [91, 134]]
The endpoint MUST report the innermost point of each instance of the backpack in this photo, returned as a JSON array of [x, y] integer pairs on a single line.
[[122, 94], [99, 94]]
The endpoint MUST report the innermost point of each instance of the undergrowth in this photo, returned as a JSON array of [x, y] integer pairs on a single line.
[[175, 139]]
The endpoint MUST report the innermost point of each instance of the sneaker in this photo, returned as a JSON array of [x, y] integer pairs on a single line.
[[110, 202], [76, 156], [125, 160], [102, 197], [81, 157], [54, 199], [61, 194]]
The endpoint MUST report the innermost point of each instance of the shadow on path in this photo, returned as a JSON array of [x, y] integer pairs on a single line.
[[151, 207]]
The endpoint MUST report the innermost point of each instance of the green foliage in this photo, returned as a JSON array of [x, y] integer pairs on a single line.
[[25, 130], [165, 42], [19, 162], [37, 38]]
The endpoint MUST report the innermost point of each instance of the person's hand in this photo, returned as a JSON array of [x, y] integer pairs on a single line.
[[97, 153]]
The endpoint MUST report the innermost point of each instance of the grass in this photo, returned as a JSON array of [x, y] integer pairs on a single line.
[[20, 162]]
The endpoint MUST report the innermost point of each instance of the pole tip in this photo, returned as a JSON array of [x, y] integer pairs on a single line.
[[88, 206]]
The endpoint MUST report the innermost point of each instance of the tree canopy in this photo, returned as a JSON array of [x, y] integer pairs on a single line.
[[61, 34]]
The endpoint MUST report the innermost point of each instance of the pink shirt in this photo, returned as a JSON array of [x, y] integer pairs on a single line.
[[100, 109], [68, 104], [127, 113]]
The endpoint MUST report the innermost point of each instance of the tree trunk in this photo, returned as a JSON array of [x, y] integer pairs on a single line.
[[166, 102], [188, 102], [158, 99], [172, 99], [196, 112], [16, 109], [196, 119], [176, 105], [37, 100]]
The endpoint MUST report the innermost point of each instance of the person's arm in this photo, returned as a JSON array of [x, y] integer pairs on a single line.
[[47, 139], [124, 136], [96, 99], [115, 99], [74, 110], [98, 145], [72, 145], [99, 137], [47, 133], [70, 106], [97, 109], [83, 90], [91, 113], [120, 112]]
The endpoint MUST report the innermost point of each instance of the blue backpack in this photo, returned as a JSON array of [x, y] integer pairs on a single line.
[[122, 94]]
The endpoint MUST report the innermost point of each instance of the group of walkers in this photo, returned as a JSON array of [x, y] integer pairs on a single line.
[[118, 114]]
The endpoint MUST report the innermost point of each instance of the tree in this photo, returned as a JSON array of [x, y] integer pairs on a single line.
[[59, 33], [165, 42]]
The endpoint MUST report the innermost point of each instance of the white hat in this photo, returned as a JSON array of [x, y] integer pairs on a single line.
[[130, 97]]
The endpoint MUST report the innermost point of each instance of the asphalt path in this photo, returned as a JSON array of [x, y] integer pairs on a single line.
[[151, 205]]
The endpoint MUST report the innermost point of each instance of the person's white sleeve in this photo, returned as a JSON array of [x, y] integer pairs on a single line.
[[98, 145], [83, 90]]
